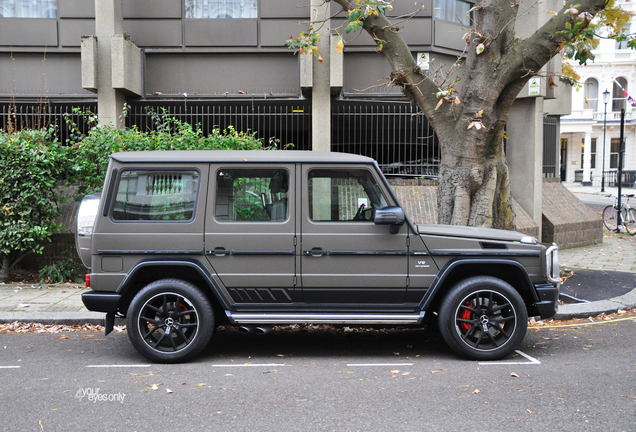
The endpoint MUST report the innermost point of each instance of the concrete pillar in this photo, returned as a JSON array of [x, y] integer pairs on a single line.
[[524, 154], [321, 88], [587, 159], [109, 21]]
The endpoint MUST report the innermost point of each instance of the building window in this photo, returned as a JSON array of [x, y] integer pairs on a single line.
[[28, 8], [618, 97], [582, 151], [614, 150], [593, 154], [221, 8], [621, 45], [452, 10], [591, 94]]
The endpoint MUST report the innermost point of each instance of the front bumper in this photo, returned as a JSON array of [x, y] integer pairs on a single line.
[[548, 303]]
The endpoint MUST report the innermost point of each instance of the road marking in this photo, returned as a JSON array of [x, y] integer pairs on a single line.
[[119, 366], [378, 364], [250, 365], [532, 360], [10, 367]]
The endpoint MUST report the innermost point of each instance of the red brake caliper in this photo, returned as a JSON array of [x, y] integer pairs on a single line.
[[465, 315]]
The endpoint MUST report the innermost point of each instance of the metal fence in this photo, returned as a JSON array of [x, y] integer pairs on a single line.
[[396, 134], [42, 115], [550, 141], [275, 123]]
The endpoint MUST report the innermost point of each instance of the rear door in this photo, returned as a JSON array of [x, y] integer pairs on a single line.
[[250, 231], [346, 258]]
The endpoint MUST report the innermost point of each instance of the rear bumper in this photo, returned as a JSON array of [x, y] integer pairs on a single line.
[[548, 303], [101, 301]]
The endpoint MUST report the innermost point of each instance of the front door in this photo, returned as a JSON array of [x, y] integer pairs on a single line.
[[346, 258], [250, 231]]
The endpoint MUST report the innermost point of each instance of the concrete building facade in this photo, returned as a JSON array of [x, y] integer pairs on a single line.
[[213, 55]]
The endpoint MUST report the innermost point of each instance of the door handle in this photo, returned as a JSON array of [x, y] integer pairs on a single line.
[[315, 252], [219, 251]]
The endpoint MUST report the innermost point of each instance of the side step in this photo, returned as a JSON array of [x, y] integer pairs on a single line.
[[305, 318]]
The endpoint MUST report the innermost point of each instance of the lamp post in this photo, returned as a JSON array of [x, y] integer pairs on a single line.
[[606, 95]]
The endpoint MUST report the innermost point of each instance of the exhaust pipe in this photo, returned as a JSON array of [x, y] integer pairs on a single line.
[[245, 329], [262, 329]]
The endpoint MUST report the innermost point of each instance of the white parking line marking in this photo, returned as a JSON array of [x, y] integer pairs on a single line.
[[10, 367], [249, 365], [377, 364], [532, 360], [118, 366]]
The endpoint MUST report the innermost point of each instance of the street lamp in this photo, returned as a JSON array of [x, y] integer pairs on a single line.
[[606, 96]]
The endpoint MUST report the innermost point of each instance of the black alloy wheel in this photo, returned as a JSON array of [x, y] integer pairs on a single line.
[[483, 318]]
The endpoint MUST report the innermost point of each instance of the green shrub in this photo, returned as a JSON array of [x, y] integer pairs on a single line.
[[65, 270], [31, 164]]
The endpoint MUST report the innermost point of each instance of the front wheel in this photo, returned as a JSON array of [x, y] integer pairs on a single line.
[[610, 218], [630, 221], [170, 321], [483, 318]]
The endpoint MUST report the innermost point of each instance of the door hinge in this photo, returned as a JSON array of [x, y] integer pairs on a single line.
[[408, 281], [295, 241], [295, 280], [408, 241]]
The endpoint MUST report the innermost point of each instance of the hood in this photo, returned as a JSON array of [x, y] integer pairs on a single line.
[[472, 232]]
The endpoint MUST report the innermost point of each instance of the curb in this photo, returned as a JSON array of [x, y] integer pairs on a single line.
[[585, 310], [57, 318]]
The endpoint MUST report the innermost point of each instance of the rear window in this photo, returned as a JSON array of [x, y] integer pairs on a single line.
[[147, 195]]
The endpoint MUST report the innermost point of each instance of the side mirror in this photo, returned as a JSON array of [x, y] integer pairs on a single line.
[[392, 215]]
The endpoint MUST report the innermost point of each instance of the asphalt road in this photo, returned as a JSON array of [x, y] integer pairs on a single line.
[[568, 378]]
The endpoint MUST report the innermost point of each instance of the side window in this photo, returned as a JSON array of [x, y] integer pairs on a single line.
[[343, 195], [252, 195], [147, 195]]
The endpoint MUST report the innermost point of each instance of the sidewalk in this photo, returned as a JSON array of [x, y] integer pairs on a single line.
[[62, 304]]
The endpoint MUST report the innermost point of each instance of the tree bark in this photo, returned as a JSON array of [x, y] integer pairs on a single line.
[[474, 187]]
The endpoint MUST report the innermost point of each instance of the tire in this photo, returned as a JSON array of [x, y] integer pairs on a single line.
[[170, 321], [483, 303], [609, 218], [630, 221]]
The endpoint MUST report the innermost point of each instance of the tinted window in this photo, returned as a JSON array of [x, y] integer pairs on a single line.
[[344, 195], [252, 195], [156, 196]]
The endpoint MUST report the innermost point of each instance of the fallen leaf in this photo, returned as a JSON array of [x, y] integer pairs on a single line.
[[169, 391], [476, 391], [395, 371], [514, 375], [154, 387], [21, 305]]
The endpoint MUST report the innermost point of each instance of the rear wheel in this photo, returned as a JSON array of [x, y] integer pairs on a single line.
[[483, 318], [170, 321], [630, 221], [610, 218]]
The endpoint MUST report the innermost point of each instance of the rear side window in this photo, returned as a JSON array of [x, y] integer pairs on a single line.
[[147, 195]]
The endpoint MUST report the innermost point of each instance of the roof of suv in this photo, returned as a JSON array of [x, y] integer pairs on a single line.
[[237, 156]]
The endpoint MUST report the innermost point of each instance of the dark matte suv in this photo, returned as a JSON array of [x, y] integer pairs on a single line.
[[180, 242]]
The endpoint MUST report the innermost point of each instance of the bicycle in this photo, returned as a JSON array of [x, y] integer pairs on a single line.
[[627, 215]]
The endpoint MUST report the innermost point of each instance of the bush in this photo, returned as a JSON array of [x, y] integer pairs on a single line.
[[65, 270], [31, 164]]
